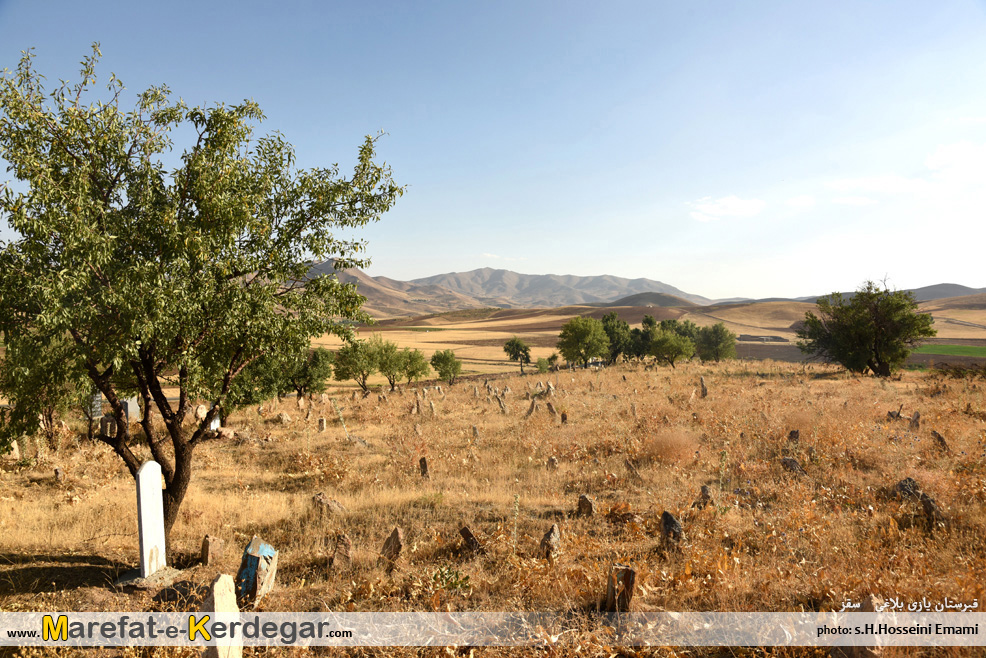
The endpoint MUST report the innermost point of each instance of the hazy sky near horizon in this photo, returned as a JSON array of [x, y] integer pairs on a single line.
[[726, 148]]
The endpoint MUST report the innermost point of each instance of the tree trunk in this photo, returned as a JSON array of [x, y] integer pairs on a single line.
[[174, 493]]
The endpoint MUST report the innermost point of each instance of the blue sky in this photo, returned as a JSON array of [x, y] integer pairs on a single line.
[[727, 148]]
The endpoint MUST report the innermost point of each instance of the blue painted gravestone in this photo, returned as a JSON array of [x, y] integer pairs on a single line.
[[257, 572]]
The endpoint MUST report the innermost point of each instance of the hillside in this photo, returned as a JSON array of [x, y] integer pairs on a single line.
[[651, 299], [549, 290]]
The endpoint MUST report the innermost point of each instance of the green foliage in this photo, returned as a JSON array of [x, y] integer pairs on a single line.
[[874, 329], [581, 339], [446, 365], [670, 347], [159, 276], [415, 366], [715, 343], [543, 365], [685, 328], [449, 579], [356, 360], [309, 374], [619, 335], [553, 359], [388, 358], [517, 350]]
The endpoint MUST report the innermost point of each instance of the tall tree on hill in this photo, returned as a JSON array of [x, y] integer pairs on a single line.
[[619, 335], [356, 360], [715, 343], [517, 350], [446, 365], [165, 277], [874, 329], [581, 339]]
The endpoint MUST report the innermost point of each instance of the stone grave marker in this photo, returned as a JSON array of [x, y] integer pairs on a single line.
[[671, 530], [550, 544], [150, 519], [423, 465], [212, 551], [221, 600], [201, 412], [915, 423], [97, 405], [619, 588], [15, 451], [342, 558], [471, 543], [392, 549], [107, 425], [321, 424], [704, 389], [215, 424], [587, 506], [258, 568]]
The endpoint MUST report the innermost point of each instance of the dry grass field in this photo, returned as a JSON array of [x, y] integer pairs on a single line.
[[770, 540]]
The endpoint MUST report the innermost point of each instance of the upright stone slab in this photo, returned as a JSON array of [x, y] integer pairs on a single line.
[[221, 601], [619, 588], [342, 559], [212, 551], [150, 519], [258, 568], [15, 451], [131, 409], [321, 424], [97, 405], [107, 425], [215, 424]]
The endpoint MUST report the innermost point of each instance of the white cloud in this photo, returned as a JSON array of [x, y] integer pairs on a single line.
[[853, 201], [708, 209], [801, 201]]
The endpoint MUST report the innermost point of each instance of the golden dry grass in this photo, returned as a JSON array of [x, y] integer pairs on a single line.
[[772, 541]]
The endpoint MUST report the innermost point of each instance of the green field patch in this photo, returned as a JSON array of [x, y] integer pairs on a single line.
[[952, 350]]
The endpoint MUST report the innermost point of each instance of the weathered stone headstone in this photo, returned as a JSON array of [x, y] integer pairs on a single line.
[[300, 402], [587, 506], [915, 423], [382, 398], [96, 408], [908, 488], [131, 409], [283, 418], [940, 442], [551, 409], [703, 387], [321, 424], [417, 430], [201, 412], [791, 464], [432, 405], [258, 569], [221, 601], [342, 558], [619, 588], [564, 417], [932, 513], [107, 425], [150, 519], [15, 451], [393, 548], [417, 407], [671, 530], [553, 463], [475, 391], [475, 432], [226, 433], [794, 436], [423, 466], [471, 543], [532, 408], [633, 409], [215, 424], [503, 407], [323, 506], [550, 546], [212, 551]]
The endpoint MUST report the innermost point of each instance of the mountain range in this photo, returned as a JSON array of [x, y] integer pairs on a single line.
[[487, 287]]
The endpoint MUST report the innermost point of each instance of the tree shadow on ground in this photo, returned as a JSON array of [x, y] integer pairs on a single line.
[[27, 574]]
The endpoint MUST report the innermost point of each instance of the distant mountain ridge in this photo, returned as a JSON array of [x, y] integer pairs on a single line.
[[549, 290], [487, 287]]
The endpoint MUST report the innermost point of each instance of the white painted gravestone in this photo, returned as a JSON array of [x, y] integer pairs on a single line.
[[97, 405], [150, 518]]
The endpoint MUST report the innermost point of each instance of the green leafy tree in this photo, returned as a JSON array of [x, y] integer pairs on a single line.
[[715, 343], [414, 364], [685, 328], [390, 360], [167, 275], [446, 365], [619, 335], [553, 359], [311, 372], [543, 365], [669, 347], [874, 329], [356, 360], [581, 339], [517, 350]]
